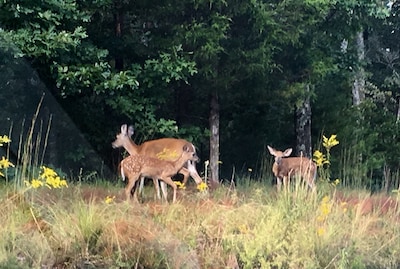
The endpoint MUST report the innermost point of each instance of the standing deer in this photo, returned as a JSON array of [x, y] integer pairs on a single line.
[[136, 166], [284, 167], [164, 148]]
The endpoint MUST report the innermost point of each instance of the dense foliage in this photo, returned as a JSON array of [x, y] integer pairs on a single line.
[[155, 64]]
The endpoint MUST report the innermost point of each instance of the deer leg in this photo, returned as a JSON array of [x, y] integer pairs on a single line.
[[141, 185], [168, 180], [312, 176], [164, 190], [275, 171], [285, 183], [157, 188], [278, 183], [288, 178], [132, 178], [307, 182], [310, 181]]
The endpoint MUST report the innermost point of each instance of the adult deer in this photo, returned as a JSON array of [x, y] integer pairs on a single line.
[[164, 148], [136, 166], [285, 167]]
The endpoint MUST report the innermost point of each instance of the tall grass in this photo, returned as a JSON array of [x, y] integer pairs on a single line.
[[353, 171], [251, 227], [31, 150]]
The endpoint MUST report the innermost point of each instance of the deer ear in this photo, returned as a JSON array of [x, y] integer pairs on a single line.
[[287, 152], [186, 148], [271, 150], [123, 129], [131, 131]]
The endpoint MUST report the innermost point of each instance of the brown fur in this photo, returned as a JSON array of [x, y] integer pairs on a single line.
[[136, 166], [286, 167], [164, 148]]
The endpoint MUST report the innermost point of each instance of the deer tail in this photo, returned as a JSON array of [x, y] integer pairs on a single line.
[[121, 169]]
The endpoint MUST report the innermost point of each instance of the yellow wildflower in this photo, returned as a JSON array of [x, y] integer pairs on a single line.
[[319, 158], [243, 228], [55, 182], [36, 183], [63, 183], [48, 178], [330, 142], [50, 183], [325, 206], [202, 186], [320, 231], [325, 199], [109, 199], [335, 182], [324, 209], [5, 163], [343, 206], [180, 185], [47, 173], [4, 140]]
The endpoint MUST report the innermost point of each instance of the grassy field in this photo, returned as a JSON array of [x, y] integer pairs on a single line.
[[48, 222], [246, 226]]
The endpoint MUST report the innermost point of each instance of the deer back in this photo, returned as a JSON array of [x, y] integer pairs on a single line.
[[169, 149], [165, 148], [302, 166]]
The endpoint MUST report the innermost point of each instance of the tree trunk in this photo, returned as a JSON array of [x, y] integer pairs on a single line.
[[359, 76], [303, 126], [398, 110], [214, 139]]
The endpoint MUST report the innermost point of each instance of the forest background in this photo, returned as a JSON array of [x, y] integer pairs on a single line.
[[230, 76]]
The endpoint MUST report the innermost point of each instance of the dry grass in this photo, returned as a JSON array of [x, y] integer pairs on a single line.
[[250, 227]]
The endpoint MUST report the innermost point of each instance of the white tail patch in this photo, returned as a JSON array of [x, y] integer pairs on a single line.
[[122, 171]]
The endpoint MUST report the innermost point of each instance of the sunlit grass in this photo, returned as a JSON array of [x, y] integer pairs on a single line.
[[258, 227]]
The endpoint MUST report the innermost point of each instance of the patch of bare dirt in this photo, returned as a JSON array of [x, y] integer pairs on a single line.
[[380, 204]]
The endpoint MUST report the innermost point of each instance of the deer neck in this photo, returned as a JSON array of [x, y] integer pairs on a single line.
[[131, 147], [180, 162]]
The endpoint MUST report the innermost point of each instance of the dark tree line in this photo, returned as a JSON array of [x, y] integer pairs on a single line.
[[231, 77]]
